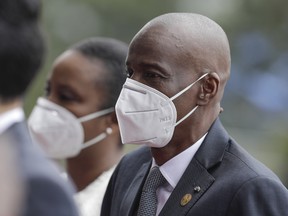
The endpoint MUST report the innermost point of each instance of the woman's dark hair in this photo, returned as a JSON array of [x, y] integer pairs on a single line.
[[112, 53]]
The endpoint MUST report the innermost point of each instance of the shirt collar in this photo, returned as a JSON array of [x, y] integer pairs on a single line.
[[174, 168], [10, 117]]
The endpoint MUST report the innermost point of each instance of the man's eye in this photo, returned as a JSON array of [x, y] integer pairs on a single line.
[[151, 75], [129, 73]]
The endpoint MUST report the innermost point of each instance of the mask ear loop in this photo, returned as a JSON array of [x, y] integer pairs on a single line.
[[181, 92], [96, 114], [98, 138], [188, 87], [101, 136], [186, 116]]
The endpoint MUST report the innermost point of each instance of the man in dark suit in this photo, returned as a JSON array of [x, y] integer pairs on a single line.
[[21, 52], [178, 65]]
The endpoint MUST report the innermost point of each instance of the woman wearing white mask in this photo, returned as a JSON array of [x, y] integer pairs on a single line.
[[76, 119]]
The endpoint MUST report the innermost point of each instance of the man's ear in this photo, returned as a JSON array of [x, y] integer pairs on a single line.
[[208, 89]]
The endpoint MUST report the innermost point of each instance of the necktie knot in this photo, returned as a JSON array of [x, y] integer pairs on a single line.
[[154, 180]]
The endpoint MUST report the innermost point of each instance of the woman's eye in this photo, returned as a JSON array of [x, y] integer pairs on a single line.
[[67, 97], [65, 94]]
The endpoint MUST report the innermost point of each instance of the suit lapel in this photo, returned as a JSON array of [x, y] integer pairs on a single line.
[[194, 183], [196, 179], [131, 199]]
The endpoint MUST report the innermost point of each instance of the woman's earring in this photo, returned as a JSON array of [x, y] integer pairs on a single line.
[[109, 130]]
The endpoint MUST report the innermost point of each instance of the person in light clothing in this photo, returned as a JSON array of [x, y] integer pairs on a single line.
[[75, 120]]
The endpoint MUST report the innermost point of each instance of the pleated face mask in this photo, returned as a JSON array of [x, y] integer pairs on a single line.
[[146, 116], [59, 132]]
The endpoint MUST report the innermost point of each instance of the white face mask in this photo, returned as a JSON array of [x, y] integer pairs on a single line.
[[59, 132], [147, 116]]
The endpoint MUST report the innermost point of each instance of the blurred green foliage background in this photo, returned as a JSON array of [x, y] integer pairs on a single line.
[[256, 100]]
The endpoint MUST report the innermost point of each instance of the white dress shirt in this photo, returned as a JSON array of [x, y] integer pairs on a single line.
[[173, 170], [10, 117], [89, 200]]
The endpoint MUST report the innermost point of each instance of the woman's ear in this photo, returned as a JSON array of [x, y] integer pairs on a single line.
[[112, 122], [209, 88], [113, 118]]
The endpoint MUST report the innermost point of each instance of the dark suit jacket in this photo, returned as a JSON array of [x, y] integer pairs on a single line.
[[46, 192], [231, 183]]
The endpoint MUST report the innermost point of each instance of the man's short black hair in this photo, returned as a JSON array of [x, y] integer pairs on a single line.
[[113, 54], [21, 46]]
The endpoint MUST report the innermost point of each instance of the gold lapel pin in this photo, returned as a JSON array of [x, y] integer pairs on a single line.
[[186, 199]]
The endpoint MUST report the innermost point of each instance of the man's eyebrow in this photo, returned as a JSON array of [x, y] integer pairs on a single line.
[[155, 66]]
